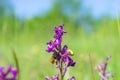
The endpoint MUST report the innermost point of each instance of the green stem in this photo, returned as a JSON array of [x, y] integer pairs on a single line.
[[61, 70], [91, 65]]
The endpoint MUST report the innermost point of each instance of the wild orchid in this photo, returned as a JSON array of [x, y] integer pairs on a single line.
[[61, 55]]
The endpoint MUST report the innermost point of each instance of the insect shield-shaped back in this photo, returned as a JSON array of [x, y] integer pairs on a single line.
[[54, 57], [52, 60], [70, 52]]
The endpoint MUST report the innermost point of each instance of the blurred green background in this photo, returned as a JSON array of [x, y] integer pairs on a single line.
[[27, 30]]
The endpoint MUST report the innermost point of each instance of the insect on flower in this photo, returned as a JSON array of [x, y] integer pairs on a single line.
[[70, 52], [52, 60]]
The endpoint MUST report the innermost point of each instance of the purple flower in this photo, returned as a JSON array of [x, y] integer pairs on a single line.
[[102, 69], [108, 58], [65, 56], [70, 62], [51, 46], [58, 42], [10, 71], [72, 78], [56, 77], [64, 49], [59, 31]]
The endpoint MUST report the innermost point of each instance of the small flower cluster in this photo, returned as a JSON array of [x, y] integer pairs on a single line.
[[61, 55], [102, 69], [4, 75]]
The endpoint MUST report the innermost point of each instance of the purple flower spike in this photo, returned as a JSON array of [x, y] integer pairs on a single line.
[[56, 77], [61, 55]]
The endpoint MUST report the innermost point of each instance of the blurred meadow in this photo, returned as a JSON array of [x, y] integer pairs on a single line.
[[87, 33]]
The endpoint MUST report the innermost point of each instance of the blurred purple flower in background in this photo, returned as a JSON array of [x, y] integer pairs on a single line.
[[56, 77], [72, 78], [102, 69], [4, 75]]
